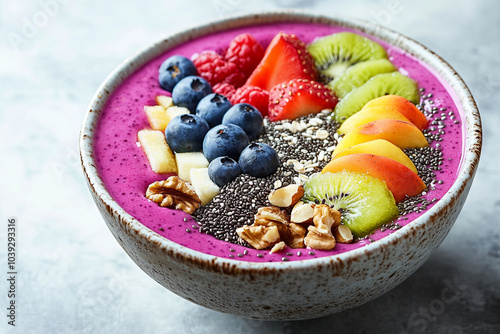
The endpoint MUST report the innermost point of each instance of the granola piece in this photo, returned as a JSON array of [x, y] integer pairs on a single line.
[[173, 193], [320, 235], [259, 236]]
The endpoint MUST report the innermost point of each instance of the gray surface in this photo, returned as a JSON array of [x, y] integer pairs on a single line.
[[74, 277]]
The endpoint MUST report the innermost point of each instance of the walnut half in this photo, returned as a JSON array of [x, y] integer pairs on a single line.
[[173, 193], [320, 235]]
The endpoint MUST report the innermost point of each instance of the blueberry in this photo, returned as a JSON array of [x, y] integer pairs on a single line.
[[189, 91], [173, 70], [223, 170], [212, 108], [224, 140], [259, 160], [246, 117], [185, 133]]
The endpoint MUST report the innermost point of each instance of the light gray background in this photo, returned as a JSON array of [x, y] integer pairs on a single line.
[[74, 277]]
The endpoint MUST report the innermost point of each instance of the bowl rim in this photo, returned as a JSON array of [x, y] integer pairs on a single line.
[[468, 166]]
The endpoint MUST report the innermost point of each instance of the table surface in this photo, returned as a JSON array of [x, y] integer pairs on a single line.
[[74, 277]]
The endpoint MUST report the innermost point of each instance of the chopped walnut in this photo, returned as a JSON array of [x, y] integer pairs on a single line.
[[295, 236], [272, 213], [320, 235], [173, 193], [259, 237]]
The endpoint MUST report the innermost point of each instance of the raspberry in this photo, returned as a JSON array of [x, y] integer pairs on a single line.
[[215, 69], [224, 88], [253, 95], [245, 52]]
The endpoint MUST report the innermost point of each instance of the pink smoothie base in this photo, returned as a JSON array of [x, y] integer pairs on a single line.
[[125, 171]]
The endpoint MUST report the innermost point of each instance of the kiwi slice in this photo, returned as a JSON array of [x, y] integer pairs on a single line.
[[356, 75], [333, 54], [364, 201], [379, 85]]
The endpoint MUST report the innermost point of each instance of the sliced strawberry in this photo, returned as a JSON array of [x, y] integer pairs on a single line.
[[246, 52], [214, 68], [253, 95], [224, 88], [299, 97], [286, 58]]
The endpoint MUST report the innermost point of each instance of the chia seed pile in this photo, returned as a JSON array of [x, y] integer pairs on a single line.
[[304, 146]]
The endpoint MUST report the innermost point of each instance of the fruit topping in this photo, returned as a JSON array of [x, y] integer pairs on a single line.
[[246, 117], [224, 88], [286, 58], [173, 193], [356, 75], [286, 196], [380, 147], [246, 52], [203, 185], [188, 161], [164, 101], [223, 170], [157, 117], [173, 70], [185, 133], [259, 160], [215, 69], [364, 201], [189, 91], [299, 97], [256, 96], [333, 54], [160, 157], [320, 235], [402, 134], [225, 140], [212, 108], [400, 180], [379, 85]]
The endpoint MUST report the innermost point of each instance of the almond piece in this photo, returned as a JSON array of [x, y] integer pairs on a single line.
[[286, 196], [343, 234], [276, 248], [302, 213]]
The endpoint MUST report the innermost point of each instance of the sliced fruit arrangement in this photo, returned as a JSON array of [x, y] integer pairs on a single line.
[[400, 133], [286, 58], [364, 201], [380, 147], [400, 179], [381, 84], [299, 97], [333, 54], [356, 75]]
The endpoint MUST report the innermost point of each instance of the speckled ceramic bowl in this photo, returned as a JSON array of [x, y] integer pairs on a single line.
[[286, 290]]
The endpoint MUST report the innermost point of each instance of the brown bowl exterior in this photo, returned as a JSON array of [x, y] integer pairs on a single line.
[[288, 290]]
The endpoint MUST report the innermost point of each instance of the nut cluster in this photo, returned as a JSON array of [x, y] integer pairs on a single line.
[[290, 222], [173, 193]]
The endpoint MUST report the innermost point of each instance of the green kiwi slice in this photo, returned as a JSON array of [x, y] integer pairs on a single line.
[[379, 85], [356, 75], [364, 201], [333, 54]]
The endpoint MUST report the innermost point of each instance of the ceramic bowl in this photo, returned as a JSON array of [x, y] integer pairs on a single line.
[[285, 290]]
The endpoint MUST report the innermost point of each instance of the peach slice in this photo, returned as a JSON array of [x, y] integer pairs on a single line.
[[379, 147], [400, 133], [367, 115], [400, 180], [405, 107]]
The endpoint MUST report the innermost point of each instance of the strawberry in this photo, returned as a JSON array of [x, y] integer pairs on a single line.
[[245, 52], [299, 97], [286, 58], [224, 88], [253, 95], [214, 68]]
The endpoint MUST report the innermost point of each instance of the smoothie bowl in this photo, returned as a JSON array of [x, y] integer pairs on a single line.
[[325, 206]]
